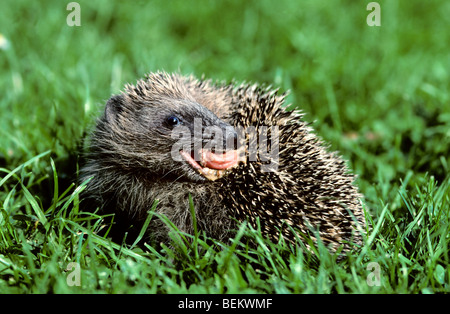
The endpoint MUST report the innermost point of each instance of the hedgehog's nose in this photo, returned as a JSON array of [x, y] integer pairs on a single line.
[[220, 137]]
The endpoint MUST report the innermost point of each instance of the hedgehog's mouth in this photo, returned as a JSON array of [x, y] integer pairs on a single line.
[[212, 166]]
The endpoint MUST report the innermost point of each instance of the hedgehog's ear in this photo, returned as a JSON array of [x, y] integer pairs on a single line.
[[113, 108]]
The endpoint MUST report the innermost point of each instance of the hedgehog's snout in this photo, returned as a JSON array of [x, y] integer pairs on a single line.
[[214, 150], [218, 138]]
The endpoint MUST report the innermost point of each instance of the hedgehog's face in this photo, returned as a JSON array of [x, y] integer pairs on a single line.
[[203, 146], [172, 139]]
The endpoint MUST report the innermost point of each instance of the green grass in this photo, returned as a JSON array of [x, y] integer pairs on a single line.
[[379, 95]]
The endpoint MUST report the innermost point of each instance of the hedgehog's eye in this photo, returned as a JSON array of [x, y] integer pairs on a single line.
[[173, 121]]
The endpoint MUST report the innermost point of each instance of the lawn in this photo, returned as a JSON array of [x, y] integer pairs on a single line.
[[378, 95]]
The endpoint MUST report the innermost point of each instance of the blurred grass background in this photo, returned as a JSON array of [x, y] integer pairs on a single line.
[[379, 95]]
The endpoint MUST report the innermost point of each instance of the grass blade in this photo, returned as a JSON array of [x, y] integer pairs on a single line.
[[146, 223], [11, 173]]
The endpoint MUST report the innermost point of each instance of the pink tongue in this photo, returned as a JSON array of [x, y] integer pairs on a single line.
[[219, 161]]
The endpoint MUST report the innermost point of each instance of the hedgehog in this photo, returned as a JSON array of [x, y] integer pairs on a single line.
[[234, 150]]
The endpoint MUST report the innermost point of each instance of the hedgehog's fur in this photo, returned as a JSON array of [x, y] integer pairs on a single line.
[[130, 165]]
